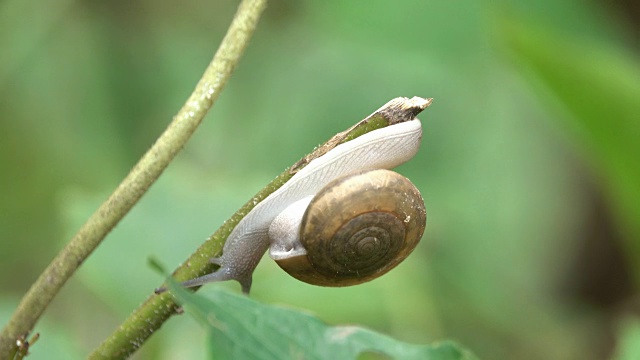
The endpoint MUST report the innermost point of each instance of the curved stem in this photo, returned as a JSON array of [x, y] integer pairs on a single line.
[[137, 182]]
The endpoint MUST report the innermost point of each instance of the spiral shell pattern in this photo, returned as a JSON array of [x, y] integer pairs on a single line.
[[358, 228]]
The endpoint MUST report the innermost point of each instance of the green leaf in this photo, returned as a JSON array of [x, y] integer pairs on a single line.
[[629, 340], [241, 328], [598, 86]]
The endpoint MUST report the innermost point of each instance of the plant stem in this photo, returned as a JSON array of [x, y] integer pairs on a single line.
[[137, 182], [157, 308]]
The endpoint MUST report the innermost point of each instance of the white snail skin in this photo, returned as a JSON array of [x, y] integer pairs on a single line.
[[383, 148]]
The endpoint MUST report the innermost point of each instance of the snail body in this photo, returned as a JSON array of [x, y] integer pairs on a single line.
[[383, 148]]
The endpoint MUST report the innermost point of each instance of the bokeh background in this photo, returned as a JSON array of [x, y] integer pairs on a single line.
[[530, 164]]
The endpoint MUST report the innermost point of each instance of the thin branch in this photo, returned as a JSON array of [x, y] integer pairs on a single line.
[[158, 308], [138, 181]]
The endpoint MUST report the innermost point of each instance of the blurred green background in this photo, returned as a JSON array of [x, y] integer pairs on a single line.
[[529, 166]]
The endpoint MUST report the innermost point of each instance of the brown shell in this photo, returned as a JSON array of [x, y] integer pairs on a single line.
[[358, 228]]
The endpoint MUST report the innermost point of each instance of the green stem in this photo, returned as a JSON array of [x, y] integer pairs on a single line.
[[157, 308], [136, 183]]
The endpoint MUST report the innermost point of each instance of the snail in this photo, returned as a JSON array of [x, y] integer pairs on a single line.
[[375, 216]]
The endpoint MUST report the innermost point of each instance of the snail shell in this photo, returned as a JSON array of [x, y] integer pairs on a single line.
[[354, 230]]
